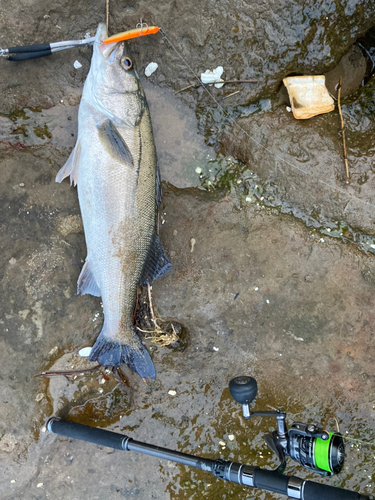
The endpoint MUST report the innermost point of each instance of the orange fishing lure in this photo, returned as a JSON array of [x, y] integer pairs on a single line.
[[126, 35]]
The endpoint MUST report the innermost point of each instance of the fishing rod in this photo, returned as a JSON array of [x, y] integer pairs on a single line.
[[313, 447]]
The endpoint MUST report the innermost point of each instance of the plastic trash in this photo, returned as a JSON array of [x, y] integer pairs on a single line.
[[213, 77], [150, 68], [308, 96], [85, 352]]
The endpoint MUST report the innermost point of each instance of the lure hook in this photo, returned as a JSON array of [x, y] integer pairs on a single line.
[[141, 25]]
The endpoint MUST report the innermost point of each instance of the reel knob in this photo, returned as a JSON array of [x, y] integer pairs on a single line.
[[243, 390]]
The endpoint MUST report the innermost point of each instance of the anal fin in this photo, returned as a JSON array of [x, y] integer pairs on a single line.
[[71, 166], [86, 282], [157, 263]]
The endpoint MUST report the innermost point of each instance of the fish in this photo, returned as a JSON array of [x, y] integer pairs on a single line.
[[114, 166]]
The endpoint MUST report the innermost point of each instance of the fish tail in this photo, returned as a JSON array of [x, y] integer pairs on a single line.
[[111, 352]]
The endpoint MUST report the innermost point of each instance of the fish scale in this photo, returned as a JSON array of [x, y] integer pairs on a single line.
[[115, 166]]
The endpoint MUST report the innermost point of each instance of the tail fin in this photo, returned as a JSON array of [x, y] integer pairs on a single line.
[[111, 352]]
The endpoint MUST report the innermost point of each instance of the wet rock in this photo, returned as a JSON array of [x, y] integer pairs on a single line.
[[305, 159], [8, 443], [71, 224], [240, 249]]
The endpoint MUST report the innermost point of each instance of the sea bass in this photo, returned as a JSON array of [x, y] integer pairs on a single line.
[[115, 167]]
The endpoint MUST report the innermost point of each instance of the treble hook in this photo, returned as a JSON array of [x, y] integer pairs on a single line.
[[141, 25]]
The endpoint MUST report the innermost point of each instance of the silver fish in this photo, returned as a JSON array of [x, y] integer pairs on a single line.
[[114, 165]]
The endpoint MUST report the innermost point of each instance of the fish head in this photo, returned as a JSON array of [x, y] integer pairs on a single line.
[[112, 65]]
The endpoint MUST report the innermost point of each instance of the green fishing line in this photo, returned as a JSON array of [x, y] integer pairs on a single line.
[[321, 453]]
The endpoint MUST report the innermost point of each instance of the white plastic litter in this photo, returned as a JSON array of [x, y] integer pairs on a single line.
[[85, 352], [77, 64], [150, 68], [213, 77]]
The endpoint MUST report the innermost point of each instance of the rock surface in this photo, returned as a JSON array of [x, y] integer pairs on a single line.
[[268, 279]]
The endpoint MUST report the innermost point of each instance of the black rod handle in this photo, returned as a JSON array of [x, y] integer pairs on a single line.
[[271, 481], [121, 442], [29, 55], [87, 433], [312, 491], [20, 49]]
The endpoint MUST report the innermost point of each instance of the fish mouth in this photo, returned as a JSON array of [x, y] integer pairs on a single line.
[[101, 33], [108, 51]]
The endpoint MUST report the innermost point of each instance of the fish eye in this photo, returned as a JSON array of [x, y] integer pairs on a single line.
[[126, 63]]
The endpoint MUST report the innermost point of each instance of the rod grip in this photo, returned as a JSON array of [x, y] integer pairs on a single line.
[[312, 491], [271, 481], [29, 55], [20, 49], [94, 435]]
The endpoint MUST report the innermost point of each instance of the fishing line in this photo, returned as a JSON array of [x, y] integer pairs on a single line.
[[331, 186], [338, 433], [356, 440]]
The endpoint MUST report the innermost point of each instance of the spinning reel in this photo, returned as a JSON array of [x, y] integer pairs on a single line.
[[308, 444]]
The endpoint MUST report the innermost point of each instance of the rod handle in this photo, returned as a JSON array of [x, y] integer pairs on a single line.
[[29, 55], [20, 49], [312, 491], [94, 435]]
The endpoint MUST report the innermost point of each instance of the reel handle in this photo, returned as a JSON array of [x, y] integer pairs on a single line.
[[243, 390]]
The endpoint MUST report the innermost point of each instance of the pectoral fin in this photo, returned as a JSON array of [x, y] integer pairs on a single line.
[[113, 143], [157, 263], [71, 166]]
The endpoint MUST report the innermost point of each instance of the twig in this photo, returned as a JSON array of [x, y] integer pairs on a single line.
[[343, 133], [151, 308], [230, 95], [107, 14], [68, 372], [196, 85], [238, 81], [186, 88]]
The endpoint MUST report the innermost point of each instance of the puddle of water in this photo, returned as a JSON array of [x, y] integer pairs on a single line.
[[93, 398], [367, 45]]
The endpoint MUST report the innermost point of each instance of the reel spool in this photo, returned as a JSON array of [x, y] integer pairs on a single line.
[[324, 455]]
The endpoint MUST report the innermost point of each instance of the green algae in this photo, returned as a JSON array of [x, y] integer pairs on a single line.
[[42, 132]]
